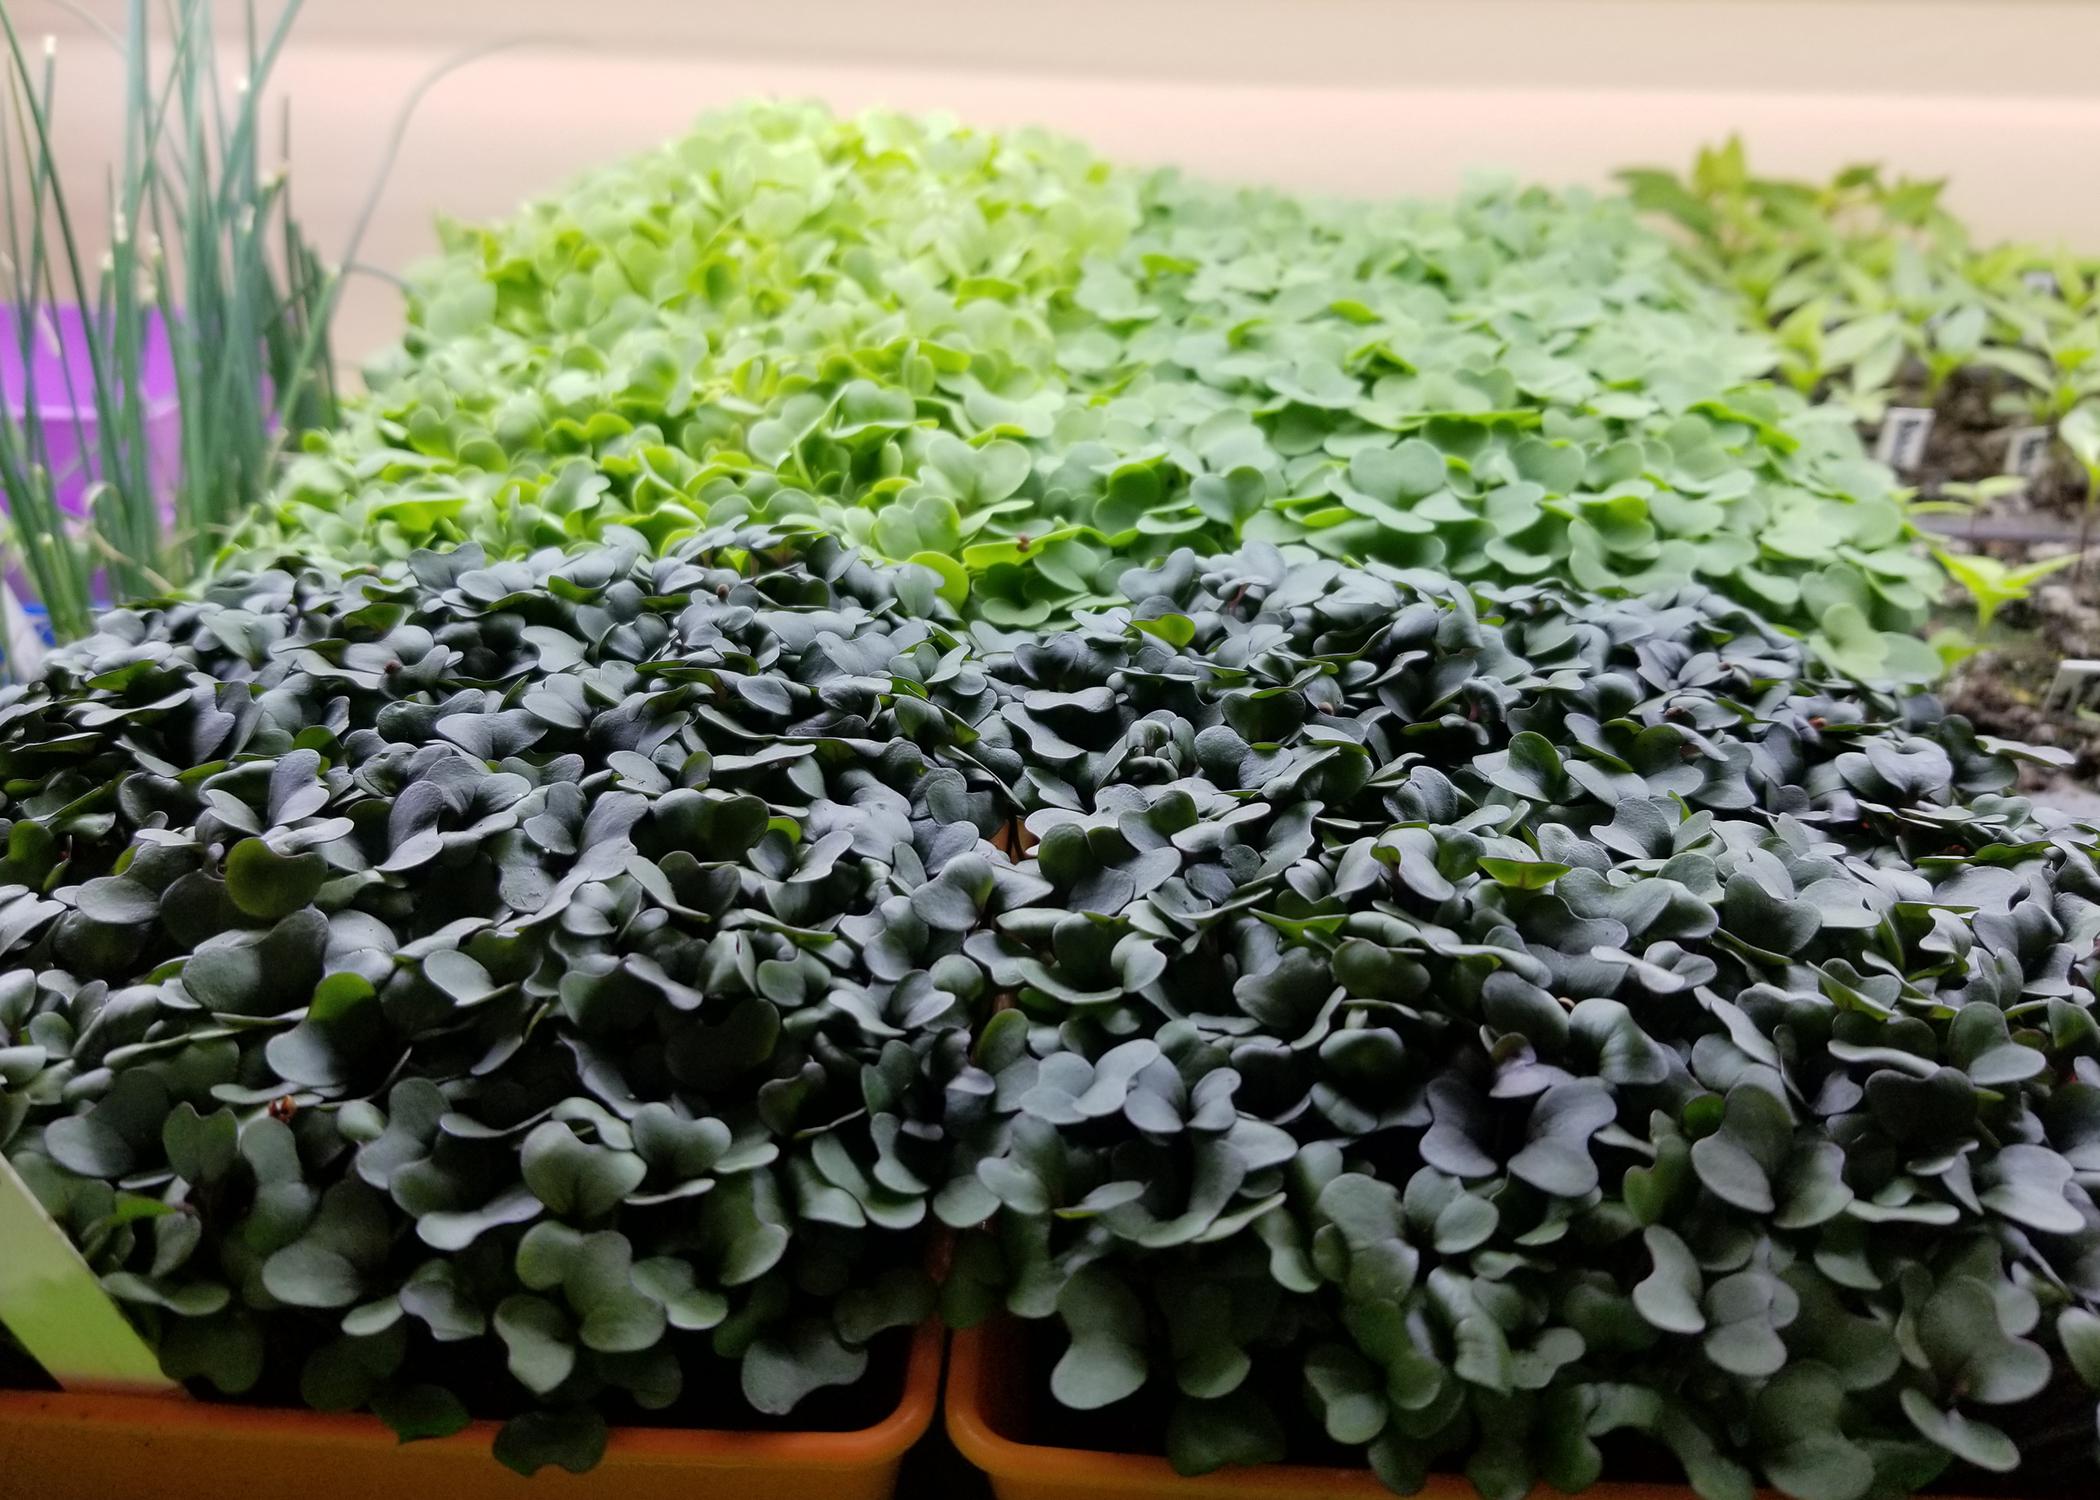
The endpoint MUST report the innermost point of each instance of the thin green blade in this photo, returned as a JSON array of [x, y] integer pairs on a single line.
[[51, 1301]]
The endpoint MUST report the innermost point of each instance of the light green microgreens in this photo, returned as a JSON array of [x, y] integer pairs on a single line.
[[1002, 358]]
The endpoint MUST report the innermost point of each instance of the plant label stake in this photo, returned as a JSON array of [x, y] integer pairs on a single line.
[[2075, 686], [2025, 449], [1904, 432], [2040, 282], [52, 1302]]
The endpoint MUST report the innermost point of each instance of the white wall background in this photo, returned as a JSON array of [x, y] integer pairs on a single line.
[[1365, 96]]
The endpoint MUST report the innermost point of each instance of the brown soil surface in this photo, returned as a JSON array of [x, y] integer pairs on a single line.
[[1969, 437], [2001, 688]]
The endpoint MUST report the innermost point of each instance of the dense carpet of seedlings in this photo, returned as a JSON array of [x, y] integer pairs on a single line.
[[1509, 1032], [497, 989], [1026, 368], [1472, 1044]]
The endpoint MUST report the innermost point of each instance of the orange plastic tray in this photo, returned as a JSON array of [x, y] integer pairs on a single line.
[[987, 1401], [95, 1447]]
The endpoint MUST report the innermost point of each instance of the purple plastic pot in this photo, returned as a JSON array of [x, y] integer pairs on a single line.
[[60, 380]]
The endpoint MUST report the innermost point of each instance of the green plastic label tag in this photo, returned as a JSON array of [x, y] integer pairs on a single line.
[[51, 1301]]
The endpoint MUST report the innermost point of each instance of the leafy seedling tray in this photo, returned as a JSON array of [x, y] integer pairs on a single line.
[[82, 1446]]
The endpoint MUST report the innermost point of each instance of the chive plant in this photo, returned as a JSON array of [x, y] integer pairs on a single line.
[[202, 239]]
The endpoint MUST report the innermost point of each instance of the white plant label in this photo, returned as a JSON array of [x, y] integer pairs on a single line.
[[2075, 685], [1905, 430], [2026, 449], [2041, 283], [51, 1301]]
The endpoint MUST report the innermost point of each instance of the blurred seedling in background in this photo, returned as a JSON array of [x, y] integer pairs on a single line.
[[2080, 432], [1993, 584]]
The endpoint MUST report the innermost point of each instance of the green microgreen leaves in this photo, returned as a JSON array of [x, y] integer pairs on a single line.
[[1022, 371], [1495, 1017], [1618, 1033], [562, 1059]]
